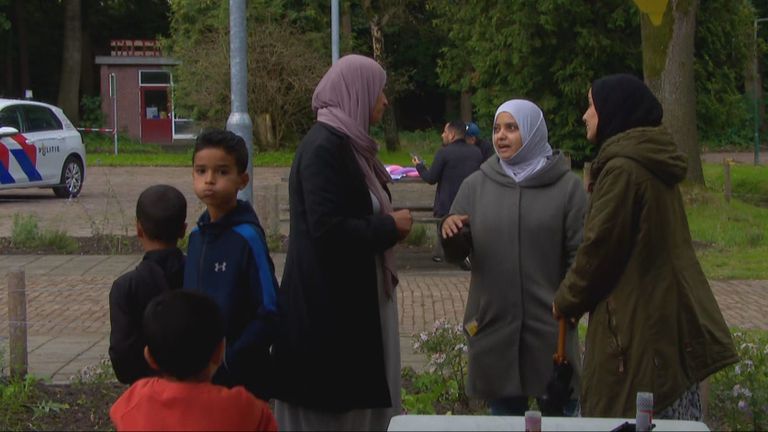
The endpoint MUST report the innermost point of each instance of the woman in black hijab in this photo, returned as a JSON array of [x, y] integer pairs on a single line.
[[654, 324]]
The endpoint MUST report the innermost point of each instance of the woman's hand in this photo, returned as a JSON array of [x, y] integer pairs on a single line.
[[555, 313], [403, 222], [453, 224]]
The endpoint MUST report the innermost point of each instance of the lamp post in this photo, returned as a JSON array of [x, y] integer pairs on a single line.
[[334, 31], [239, 121], [758, 91]]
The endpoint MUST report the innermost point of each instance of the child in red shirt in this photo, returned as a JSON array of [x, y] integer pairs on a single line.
[[185, 343]]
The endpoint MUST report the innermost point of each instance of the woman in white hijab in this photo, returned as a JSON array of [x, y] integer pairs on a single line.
[[519, 218]]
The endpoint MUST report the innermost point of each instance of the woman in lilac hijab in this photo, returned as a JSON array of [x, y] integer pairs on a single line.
[[338, 350]]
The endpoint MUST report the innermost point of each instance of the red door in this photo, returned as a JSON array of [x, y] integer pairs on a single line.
[[156, 119]]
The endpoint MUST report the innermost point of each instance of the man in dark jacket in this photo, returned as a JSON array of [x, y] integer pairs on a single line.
[[160, 214], [454, 162]]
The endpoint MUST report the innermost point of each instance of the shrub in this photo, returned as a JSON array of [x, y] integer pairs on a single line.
[[441, 387], [739, 395], [25, 234]]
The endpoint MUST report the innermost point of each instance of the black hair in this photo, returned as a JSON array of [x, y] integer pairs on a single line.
[[458, 127], [623, 102], [161, 210], [230, 142], [183, 329]]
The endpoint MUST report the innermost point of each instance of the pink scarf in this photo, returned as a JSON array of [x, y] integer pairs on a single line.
[[344, 99]]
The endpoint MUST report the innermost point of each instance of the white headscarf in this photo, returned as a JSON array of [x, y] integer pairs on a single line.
[[533, 130]]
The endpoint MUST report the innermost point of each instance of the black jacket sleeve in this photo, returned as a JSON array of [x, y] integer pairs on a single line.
[[434, 174], [126, 344], [327, 210]]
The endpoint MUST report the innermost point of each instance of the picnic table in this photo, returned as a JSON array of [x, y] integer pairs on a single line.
[[513, 423]]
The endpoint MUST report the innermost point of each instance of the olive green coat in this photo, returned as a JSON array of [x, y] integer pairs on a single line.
[[654, 323]]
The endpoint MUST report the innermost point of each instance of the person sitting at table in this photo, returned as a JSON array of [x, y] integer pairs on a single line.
[[454, 162]]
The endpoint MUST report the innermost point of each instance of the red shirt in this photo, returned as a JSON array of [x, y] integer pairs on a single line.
[[161, 404]]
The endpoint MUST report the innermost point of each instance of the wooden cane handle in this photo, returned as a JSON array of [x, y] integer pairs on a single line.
[[560, 356]]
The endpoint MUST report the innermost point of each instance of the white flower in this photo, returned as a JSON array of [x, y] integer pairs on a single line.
[[743, 405], [423, 336], [460, 347], [737, 370], [736, 390], [438, 358], [416, 345]]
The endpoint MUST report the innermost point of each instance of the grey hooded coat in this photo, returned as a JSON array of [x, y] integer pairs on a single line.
[[523, 239]]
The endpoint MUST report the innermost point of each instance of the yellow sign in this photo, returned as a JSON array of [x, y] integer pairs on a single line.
[[654, 8]]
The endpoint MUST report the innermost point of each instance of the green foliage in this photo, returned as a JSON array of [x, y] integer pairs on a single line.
[[418, 236], [547, 51], [102, 143], [15, 397], [730, 238], [441, 386], [25, 234], [724, 37], [284, 63], [739, 394], [91, 115]]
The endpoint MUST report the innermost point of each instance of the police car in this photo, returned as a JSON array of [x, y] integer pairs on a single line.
[[39, 147]]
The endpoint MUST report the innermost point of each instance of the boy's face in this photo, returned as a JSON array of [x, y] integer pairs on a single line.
[[216, 180]]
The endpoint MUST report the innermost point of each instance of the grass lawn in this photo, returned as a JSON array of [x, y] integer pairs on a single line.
[[731, 238]]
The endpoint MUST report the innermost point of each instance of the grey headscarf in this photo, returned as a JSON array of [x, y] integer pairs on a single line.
[[533, 130], [344, 99]]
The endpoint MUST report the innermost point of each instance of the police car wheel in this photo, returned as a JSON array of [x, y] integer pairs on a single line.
[[71, 179]]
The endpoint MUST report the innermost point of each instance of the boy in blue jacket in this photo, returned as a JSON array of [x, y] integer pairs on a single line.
[[228, 260]]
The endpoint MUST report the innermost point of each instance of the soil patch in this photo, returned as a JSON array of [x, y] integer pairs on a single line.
[[96, 245], [63, 407]]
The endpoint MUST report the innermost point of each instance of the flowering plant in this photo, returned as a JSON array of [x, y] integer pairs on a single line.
[[739, 395], [441, 385]]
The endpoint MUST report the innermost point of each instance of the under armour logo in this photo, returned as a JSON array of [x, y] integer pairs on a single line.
[[220, 267]]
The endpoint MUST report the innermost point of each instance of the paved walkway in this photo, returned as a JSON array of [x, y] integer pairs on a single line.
[[68, 312]]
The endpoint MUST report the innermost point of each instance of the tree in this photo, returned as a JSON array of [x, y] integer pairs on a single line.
[[725, 69], [284, 66], [69, 89], [668, 66], [547, 51], [379, 14]]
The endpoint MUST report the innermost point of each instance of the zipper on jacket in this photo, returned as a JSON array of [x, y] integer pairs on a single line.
[[614, 334], [199, 286]]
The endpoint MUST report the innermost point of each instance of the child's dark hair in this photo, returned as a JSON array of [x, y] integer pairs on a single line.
[[230, 142], [161, 210], [182, 329]]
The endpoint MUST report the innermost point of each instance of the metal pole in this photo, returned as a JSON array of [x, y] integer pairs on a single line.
[[113, 88], [334, 31], [239, 121]]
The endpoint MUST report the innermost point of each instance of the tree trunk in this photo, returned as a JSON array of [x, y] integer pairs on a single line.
[[389, 122], [69, 87], [10, 70], [668, 68], [23, 37], [88, 73], [466, 106]]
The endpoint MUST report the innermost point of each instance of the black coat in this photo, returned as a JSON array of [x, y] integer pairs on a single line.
[[160, 270], [452, 164], [329, 349]]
